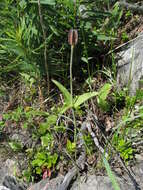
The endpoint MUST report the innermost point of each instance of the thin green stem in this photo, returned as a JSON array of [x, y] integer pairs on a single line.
[[71, 91], [71, 63]]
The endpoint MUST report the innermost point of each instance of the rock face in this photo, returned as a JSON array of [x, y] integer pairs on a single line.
[[93, 182], [100, 183], [130, 65], [47, 184], [11, 183], [3, 188], [7, 169], [7, 179]]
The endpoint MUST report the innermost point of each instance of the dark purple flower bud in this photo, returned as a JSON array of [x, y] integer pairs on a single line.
[[73, 37]]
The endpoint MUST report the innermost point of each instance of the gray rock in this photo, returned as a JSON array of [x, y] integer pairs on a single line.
[[3, 188], [130, 65], [94, 182], [47, 184], [11, 183], [138, 172], [8, 168], [23, 137]]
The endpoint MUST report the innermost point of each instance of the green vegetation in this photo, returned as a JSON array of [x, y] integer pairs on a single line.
[[55, 87]]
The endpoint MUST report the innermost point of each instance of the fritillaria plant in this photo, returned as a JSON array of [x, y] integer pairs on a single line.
[[72, 40]]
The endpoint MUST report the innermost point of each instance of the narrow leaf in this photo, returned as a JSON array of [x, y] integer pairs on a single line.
[[110, 174], [64, 91]]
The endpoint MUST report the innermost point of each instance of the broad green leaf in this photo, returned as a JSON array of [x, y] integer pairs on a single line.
[[27, 175], [41, 155], [38, 162], [103, 37], [111, 175], [104, 91], [16, 146], [54, 158], [38, 170], [43, 128], [104, 105], [46, 140], [69, 3], [64, 91], [101, 99], [84, 59], [70, 146], [51, 120], [51, 161], [65, 108], [84, 97], [45, 2]]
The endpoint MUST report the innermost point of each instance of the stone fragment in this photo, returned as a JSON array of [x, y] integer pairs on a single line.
[[8, 168], [3, 188], [47, 184], [130, 65], [94, 182], [11, 183]]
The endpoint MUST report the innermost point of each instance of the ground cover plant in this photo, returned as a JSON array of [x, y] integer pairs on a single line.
[[57, 70]]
